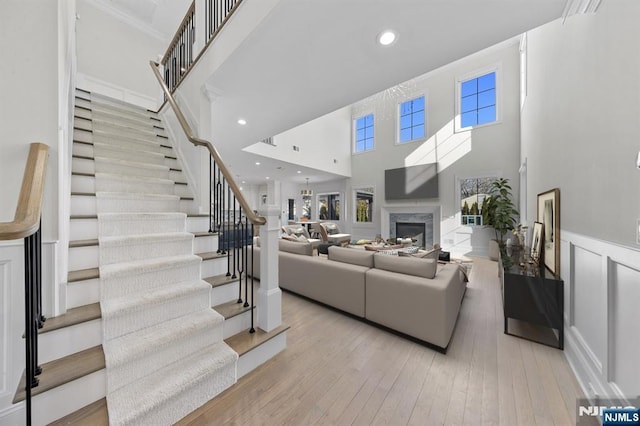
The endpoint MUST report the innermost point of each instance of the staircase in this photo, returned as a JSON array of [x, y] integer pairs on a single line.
[[139, 343]]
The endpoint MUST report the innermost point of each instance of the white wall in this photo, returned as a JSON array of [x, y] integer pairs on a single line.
[[580, 134], [112, 51], [323, 144], [490, 150]]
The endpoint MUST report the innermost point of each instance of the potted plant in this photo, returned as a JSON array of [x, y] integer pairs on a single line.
[[500, 213]]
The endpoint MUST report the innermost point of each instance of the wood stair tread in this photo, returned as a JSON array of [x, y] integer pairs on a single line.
[[243, 342], [94, 414], [231, 309], [211, 255], [220, 280], [83, 274], [64, 370], [204, 234], [72, 317], [83, 243]]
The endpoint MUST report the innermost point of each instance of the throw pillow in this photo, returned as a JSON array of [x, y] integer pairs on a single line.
[[331, 228], [290, 237]]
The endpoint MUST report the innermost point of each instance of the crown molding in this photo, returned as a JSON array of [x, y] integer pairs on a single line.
[[580, 7], [121, 16]]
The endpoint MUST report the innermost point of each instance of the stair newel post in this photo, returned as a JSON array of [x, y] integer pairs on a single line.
[[235, 241], [210, 188]]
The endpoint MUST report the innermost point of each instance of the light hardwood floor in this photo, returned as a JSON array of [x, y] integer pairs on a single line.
[[338, 370]]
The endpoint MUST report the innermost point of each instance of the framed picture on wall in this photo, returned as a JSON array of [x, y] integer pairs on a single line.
[[536, 241], [549, 216]]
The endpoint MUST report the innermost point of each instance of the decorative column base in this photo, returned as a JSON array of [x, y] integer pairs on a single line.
[[269, 308]]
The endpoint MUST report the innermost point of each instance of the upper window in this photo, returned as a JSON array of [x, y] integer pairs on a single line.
[[364, 133], [412, 120], [478, 100]]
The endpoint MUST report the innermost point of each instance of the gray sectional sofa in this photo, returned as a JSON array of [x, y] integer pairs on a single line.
[[416, 297]]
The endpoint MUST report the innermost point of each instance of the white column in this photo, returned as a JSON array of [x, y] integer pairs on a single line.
[[269, 293]]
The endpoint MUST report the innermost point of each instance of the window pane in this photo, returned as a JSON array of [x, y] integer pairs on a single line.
[[405, 122], [469, 87], [368, 120], [487, 81], [368, 132], [360, 123], [487, 115], [368, 144], [405, 108], [418, 132], [487, 98], [360, 134], [468, 119], [359, 146], [417, 118], [405, 135], [418, 104], [469, 103]]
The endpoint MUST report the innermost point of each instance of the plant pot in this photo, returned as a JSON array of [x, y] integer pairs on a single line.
[[494, 250]]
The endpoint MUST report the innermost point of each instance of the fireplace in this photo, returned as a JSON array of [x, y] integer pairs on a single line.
[[428, 216], [411, 230]]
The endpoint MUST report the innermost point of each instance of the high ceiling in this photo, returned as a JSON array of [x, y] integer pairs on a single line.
[[310, 57]]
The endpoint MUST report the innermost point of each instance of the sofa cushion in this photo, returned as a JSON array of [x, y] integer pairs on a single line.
[[351, 255], [296, 247], [406, 265]]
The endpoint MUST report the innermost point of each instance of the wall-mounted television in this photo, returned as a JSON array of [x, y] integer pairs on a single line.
[[411, 183]]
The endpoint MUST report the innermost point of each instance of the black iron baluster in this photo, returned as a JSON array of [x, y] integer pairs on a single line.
[[228, 228], [210, 184], [235, 239], [245, 245], [252, 330]]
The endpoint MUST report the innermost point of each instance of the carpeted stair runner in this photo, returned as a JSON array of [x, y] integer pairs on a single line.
[[163, 344]]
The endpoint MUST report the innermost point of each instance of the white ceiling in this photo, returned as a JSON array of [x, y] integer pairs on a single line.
[[310, 57]]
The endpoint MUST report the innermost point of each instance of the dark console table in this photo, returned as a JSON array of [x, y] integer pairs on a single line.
[[531, 294]]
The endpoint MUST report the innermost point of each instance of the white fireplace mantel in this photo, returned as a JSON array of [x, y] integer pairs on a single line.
[[386, 211]]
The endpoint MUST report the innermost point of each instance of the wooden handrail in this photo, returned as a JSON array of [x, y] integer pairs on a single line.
[[27, 218], [253, 218]]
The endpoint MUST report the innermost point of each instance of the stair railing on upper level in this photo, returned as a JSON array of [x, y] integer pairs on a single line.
[[26, 224], [184, 49], [229, 212]]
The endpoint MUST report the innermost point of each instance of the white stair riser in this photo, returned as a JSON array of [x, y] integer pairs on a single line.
[[83, 229], [142, 249], [197, 224], [114, 166], [237, 324], [213, 267], [107, 107], [138, 224], [147, 143], [70, 397], [116, 183], [118, 286], [205, 244], [188, 206], [82, 136], [81, 165], [83, 257], [224, 293], [81, 112], [124, 129], [69, 340], [83, 205], [184, 346], [183, 191], [82, 149], [80, 293], [129, 205], [83, 184], [121, 152], [261, 354], [129, 120]]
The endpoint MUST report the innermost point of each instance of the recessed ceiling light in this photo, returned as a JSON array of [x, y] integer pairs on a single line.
[[267, 177], [299, 171], [257, 163], [242, 121], [386, 37], [243, 182]]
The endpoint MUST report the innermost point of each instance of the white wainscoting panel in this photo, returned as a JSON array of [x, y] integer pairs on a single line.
[[602, 315], [4, 323], [625, 332], [588, 290], [93, 84]]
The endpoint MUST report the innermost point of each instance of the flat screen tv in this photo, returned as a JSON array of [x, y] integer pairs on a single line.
[[411, 183]]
